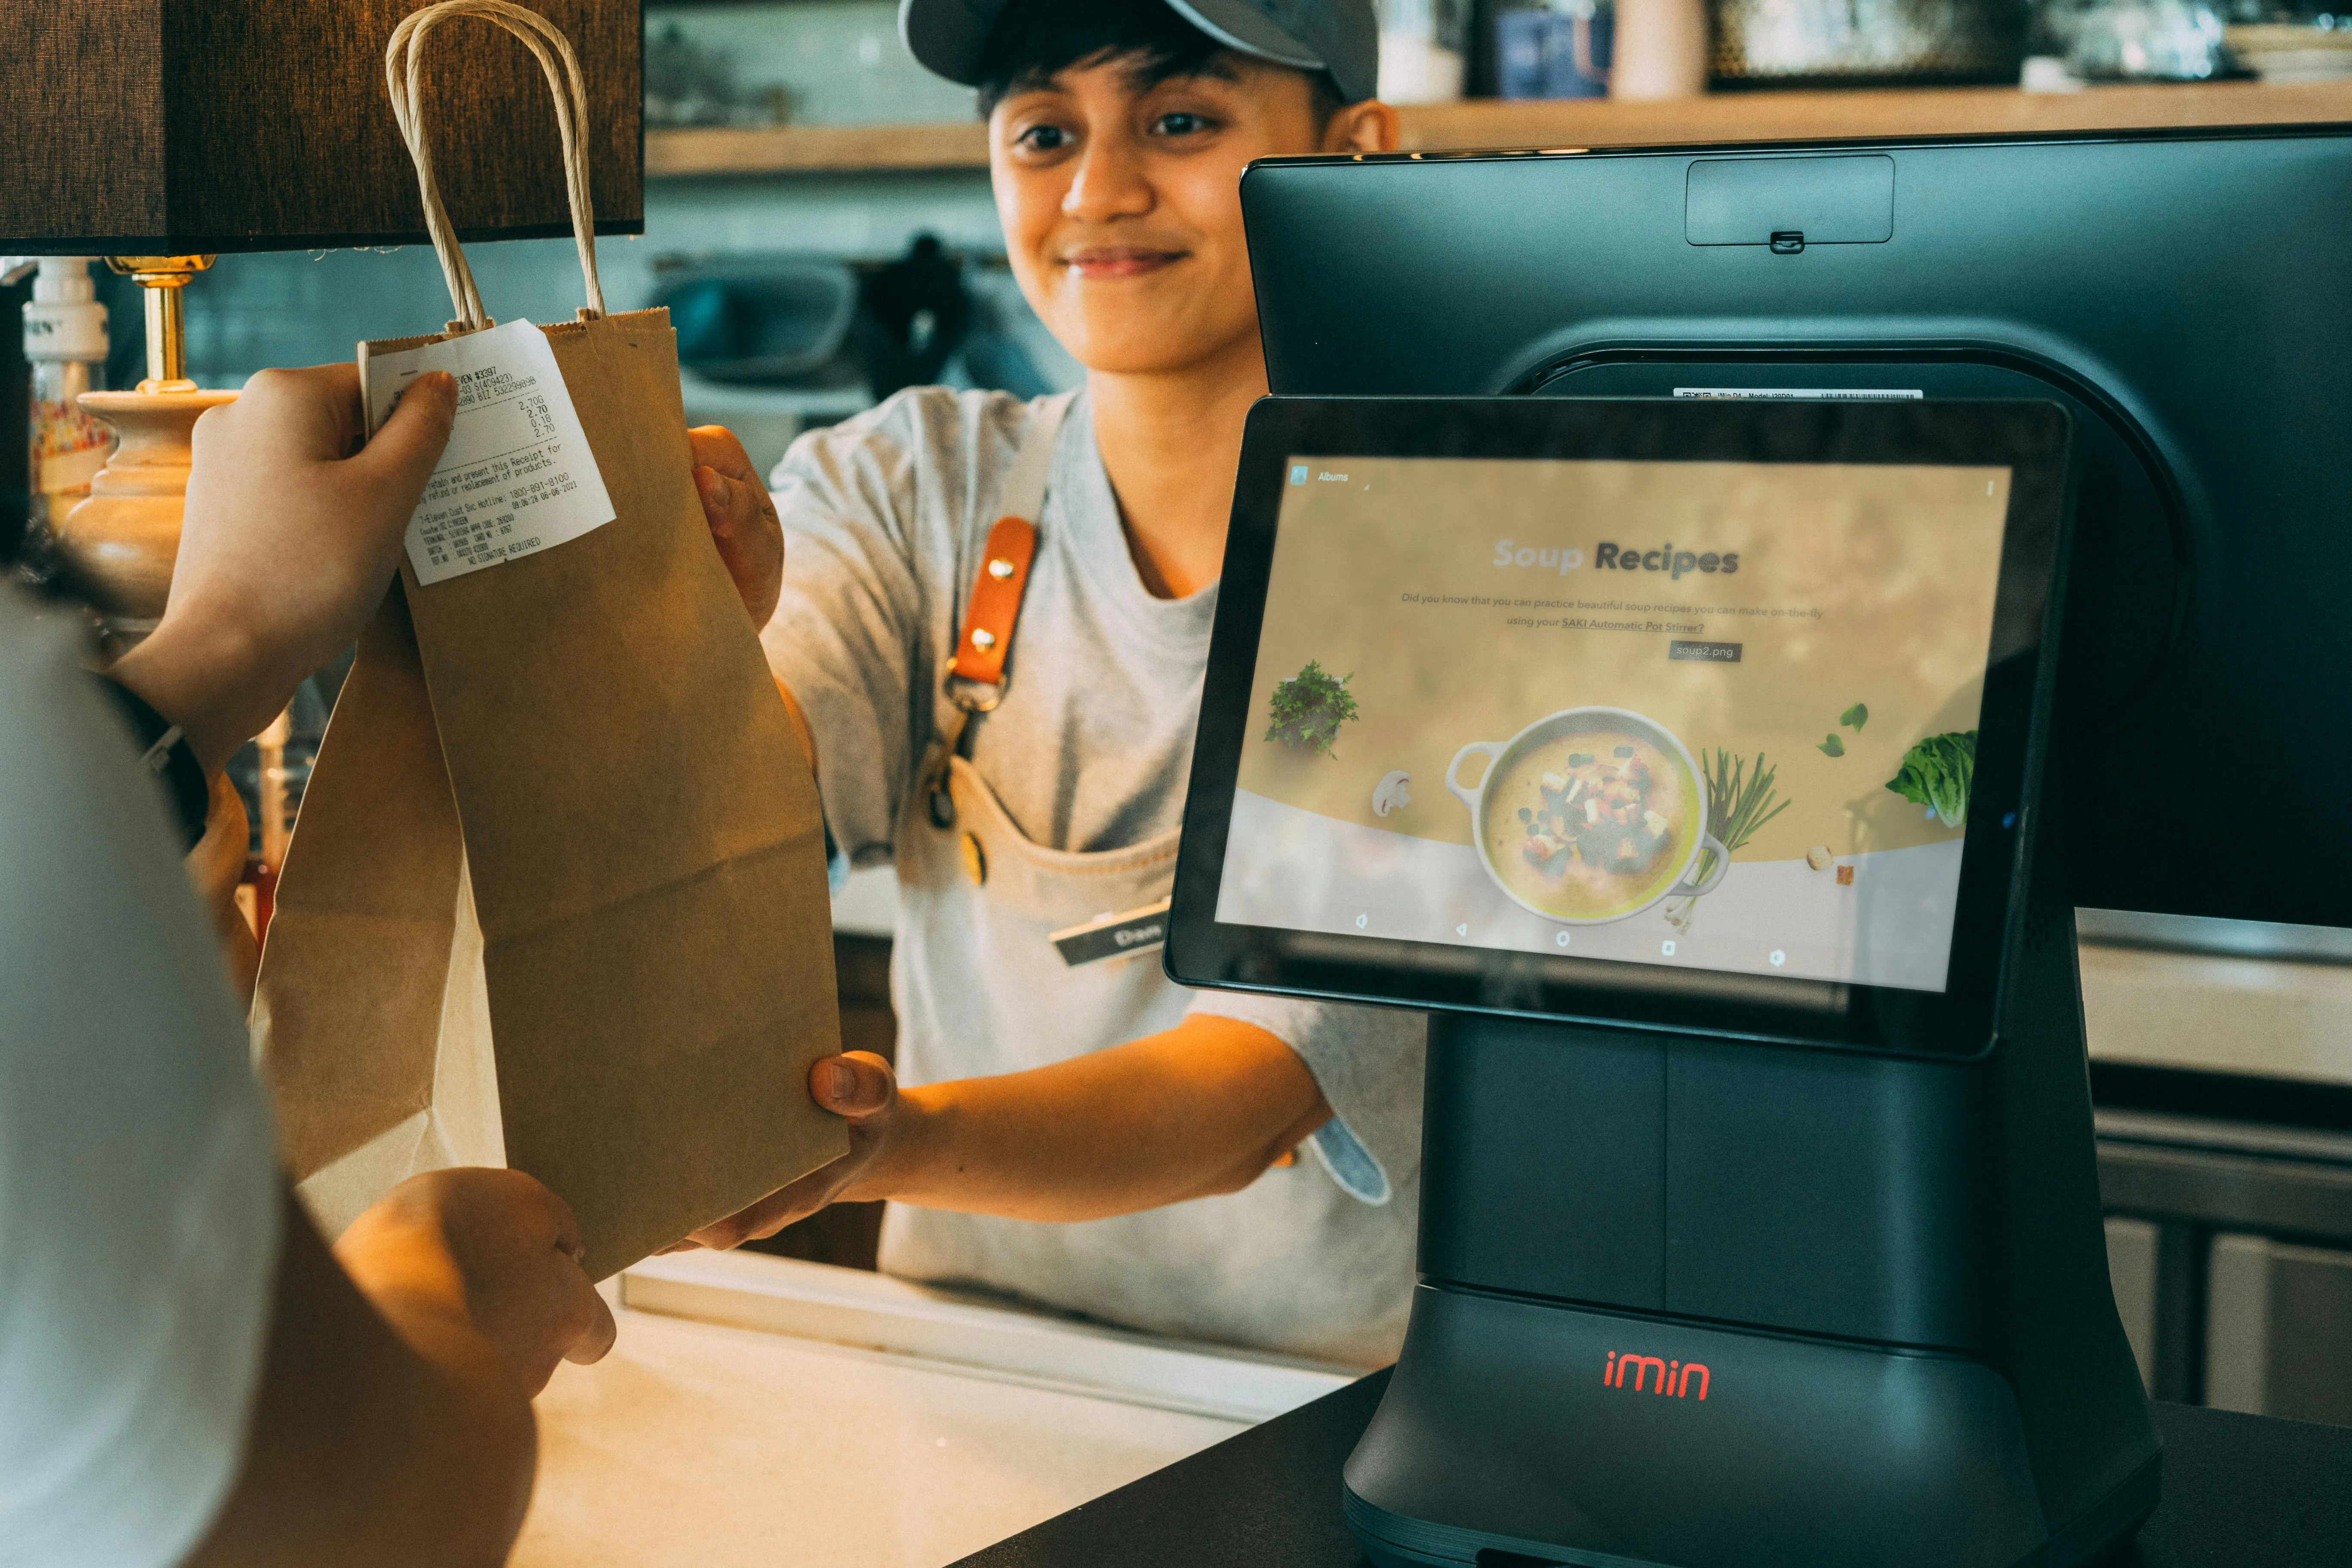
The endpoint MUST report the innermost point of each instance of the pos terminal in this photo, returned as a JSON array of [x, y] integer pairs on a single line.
[[1687, 760]]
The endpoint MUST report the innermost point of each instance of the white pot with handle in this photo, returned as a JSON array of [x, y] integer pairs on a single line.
[[1589, 893]]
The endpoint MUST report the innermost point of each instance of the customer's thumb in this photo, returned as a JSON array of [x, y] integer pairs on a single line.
[[402, 453]]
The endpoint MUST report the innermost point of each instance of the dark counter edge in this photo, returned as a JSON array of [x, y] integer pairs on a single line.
[[2248, 1491]]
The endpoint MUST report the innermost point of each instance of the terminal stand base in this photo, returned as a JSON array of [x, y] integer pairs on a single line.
[[1701, 1302], [1737, 1448]]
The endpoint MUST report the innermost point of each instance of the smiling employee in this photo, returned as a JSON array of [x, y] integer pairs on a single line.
[[1085, 1134]]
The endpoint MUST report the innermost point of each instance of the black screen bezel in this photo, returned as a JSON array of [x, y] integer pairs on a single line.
[[2028, 438]]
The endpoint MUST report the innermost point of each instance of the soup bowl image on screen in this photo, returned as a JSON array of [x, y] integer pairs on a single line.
[[1589, 814]]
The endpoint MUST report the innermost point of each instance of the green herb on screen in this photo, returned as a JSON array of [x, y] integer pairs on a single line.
[[1309, 707], [1855, 717], [1937, 773], [1739, 802], [1831, 746]]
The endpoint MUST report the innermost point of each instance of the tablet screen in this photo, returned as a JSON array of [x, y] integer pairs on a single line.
[[1714, 715]]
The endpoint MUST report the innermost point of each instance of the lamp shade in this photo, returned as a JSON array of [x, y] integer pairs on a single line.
[[174, 127]]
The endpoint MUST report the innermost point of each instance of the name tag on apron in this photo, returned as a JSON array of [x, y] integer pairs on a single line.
[[1113, 936]]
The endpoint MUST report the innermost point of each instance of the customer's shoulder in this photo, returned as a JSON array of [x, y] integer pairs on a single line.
[[38, 658]]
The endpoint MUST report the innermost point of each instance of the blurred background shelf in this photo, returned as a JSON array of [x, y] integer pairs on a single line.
[[815, 149], [1882, 113], [1575, 122]]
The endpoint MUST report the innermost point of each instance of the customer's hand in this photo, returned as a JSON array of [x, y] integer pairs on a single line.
[[491, 1250], [216, 867], [858, 1085], [742, 518], [292, 529]]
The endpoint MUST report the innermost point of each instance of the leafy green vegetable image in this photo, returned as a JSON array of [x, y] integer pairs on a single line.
[[1937, 773], [1831, 746], [1855, 717], [1309, 707]]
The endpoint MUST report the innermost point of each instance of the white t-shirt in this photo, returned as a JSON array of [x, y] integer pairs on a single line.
[[1069, 807], [139, 1207]]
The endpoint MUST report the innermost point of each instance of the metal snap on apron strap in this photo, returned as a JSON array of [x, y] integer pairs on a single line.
[[976, 680], [995, 605]]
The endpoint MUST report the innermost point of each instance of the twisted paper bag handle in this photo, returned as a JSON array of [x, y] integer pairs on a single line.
[[557, 59]]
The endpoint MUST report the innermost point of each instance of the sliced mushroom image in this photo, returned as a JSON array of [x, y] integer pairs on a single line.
[[1391, 791]]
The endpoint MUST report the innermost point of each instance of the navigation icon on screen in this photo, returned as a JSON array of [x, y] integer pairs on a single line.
[[1462, 930], [1778, 958], [1363, 920], [1668, 947]]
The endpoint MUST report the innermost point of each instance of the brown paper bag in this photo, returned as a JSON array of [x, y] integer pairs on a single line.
[[585, 745]]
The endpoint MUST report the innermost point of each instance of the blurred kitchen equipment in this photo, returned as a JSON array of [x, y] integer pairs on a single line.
[[1868, 43], [823, 323], [913, 314], [2294, 51], [766, 319], [2150, 41], [689, 83]]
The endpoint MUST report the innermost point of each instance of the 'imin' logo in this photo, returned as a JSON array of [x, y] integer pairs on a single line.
[[1651, 1374]]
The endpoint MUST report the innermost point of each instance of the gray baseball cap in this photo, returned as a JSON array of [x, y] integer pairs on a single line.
[[949, 36]]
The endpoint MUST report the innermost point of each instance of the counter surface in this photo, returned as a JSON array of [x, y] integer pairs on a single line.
[[761, 1409], [694, 1444], [2239, 1491]]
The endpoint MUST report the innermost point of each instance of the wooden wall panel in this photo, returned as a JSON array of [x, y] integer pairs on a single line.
[[263, 124]]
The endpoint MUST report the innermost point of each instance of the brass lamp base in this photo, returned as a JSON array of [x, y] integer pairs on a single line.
[[126, 536]]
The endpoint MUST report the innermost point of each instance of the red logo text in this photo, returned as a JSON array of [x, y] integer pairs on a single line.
[[1653, 1374]]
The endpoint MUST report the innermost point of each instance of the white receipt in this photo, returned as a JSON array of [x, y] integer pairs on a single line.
[[518, 476]]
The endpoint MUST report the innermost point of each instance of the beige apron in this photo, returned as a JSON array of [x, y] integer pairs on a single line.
[[1290, 1263]]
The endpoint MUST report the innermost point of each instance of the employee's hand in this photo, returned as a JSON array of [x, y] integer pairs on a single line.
[[291, 535], [858, 1085], [490, 1250], [742, 518]]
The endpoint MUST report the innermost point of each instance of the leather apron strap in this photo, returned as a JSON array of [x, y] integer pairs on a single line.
[[976, 678]]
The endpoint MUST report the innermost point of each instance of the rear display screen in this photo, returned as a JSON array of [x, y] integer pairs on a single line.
[[1711, 715]]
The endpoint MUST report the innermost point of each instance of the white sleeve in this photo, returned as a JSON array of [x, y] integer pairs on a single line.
[[139, 1207], [874, 511], [849, 632], [1369, 1063]]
